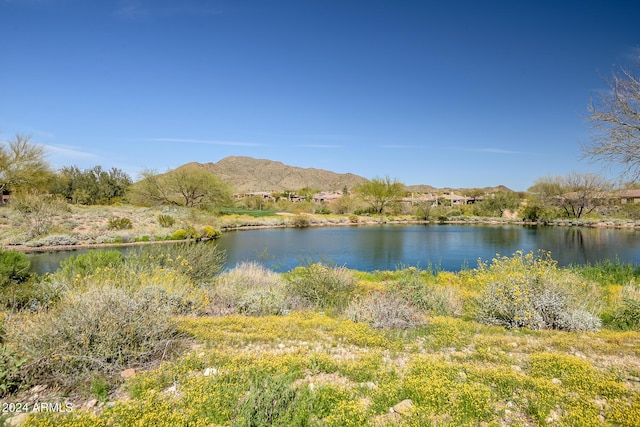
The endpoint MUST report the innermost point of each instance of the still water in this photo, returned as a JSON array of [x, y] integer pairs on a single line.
[[386, 247]]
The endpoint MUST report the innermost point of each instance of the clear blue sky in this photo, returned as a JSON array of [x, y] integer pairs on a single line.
[[447, 93]]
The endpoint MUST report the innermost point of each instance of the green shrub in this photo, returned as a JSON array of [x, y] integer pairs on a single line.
[[86, 264], [414, 286], [323, 210], [10, 364], [14, 267], [116, 223], [103, 330], [180, 234], [300, 221], [273, 400], [208, 232], [250, 289], [192, 233], [384, 310], [322, 286], [627, 315], [166, 221], [200, 261]]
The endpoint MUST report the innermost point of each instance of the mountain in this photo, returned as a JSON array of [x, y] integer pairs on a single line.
[[248, 174]]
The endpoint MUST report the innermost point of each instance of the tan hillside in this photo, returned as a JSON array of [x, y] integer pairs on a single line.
[[429, 189], [249, 174]]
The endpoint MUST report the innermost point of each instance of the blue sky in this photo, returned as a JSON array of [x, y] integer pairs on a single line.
[[446, 93]]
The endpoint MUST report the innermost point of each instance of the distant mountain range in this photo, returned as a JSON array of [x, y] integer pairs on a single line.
[[247, 174]]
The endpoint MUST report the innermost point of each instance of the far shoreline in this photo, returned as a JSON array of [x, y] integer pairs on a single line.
[[247, 227]]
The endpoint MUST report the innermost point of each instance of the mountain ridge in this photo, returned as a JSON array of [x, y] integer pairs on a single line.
[[248, 174]]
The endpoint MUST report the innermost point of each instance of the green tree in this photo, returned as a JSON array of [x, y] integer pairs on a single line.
[[189, 185], [92, 186], [576, 194], [22, 165], [615, 114], [380, 193], [497, 203]]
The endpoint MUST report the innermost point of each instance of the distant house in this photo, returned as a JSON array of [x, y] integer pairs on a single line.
[[415, 199], [264, 194], [628, 196], [325, 196]]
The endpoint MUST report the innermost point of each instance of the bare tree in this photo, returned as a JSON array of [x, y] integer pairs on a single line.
[[577, 193], [615, 115]]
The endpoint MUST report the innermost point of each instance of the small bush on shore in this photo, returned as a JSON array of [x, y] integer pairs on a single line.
[[627, 314], [14, 267], [322, 286], [86, 264], [419, 289], [384, 310], [250, 289], [527, 290], [200, 261], [54, 240]]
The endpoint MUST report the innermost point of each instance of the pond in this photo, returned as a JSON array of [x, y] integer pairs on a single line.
[[386, 247]]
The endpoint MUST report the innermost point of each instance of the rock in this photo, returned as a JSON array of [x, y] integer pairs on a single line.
[[38, 389], [128, 373], [556, 381], [91, 403], [17, 420], [404, 408], [210, 371]]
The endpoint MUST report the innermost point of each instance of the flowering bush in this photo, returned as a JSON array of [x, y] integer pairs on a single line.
[[528, 291]]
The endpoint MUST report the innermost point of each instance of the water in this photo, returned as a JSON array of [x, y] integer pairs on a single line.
[[386, 247]]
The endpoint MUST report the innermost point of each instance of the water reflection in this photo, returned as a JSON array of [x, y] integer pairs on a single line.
[[386, 247]]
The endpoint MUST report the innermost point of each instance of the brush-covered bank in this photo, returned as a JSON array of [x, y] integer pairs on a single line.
[[514, 341]]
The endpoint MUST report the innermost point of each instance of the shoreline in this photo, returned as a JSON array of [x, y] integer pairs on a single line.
[[557, 223]]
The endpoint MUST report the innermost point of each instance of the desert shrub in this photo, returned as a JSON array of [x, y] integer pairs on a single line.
[[103, 330], [10, 364], [416, 287], [14, 267], [527, 290], [116, 223], [627, 315], [422, 211], [208, 232], [85, 264], [323, 286], [200, 261], [273, 400], [192, 233], [36, 211], [323, 210], [300, 221], [384, 310], [54, 240], [166, 221], [353, 219], [180, 234], [251, 289]]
